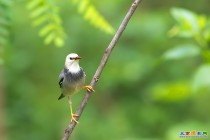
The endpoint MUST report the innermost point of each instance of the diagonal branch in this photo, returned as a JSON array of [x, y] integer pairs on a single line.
[[107, 53]]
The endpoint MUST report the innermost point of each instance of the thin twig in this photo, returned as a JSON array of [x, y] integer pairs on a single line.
[[107, 53]]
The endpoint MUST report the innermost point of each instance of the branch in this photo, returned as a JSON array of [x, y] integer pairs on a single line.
[[107, 53]]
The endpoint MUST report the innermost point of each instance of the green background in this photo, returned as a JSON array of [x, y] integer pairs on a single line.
[[139, 95]]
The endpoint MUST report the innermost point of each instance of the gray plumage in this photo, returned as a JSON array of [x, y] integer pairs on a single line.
[[70, 82]]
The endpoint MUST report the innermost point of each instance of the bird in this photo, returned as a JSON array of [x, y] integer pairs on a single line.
[[71, 80]]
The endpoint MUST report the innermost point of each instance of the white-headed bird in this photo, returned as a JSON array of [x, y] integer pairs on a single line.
[[72, 79]]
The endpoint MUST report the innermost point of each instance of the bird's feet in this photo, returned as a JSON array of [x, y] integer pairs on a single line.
[[89, 88], [73, 118]]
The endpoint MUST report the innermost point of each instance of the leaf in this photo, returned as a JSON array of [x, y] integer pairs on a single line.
[[83, 5], [182, 51], [171, 92], [202, 21], [56, 19], [187, 22], [59, 42], [75, 1], [5, 7], [49, 38], [90, 12], [46, 13], [39, 11], [39, 20], [32, 4], [206, 34], [201, 79], [45, 30], [93, 16]]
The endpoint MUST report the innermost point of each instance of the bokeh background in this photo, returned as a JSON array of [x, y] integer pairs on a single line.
[[149, 89]]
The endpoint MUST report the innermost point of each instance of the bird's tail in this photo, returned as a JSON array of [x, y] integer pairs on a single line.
[[61, 96]]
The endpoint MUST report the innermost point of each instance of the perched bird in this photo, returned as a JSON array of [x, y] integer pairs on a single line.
[[72, 79]]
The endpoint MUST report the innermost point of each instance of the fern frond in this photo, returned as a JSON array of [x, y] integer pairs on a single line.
[[4, 21], [91, 14], [45, 13]]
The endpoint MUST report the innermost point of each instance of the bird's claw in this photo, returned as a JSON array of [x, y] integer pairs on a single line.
[[73, 118], [89, 88]]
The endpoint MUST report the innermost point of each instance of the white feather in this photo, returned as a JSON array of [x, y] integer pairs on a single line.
[[72, 65]]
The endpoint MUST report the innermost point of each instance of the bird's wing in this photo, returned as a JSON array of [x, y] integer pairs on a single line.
[[61, 77], [83, 71]]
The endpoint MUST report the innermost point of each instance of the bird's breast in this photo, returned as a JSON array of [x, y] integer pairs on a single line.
[[73, 82], [74, 77]]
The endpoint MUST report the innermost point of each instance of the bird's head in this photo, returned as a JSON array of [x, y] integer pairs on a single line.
[[72, 62]]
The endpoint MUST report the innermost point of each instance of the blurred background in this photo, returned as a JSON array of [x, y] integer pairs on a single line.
[[155, 85]]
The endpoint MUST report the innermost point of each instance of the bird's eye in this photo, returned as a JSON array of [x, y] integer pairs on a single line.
[[71, 58]]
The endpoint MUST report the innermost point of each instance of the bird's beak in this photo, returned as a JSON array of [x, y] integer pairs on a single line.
[[77, 58]]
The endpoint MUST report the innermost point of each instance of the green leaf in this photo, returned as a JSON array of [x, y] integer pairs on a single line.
[[83, 6], [39, 20], [45, 30], [201, 79], [93, 16], [171, 92], [75, 1], [49, 38], [39, 11], [47, 13], [90, 12], [206, 34], [5, 6], [33, 3], [182, 51], [187, 22], [56, 19], [59, 42], [202, 21]]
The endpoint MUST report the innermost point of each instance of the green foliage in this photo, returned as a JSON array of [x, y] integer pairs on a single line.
[[46, 14], [171, 92], [148, 101], [197, 28], [187, 20], [4, 21], [201, 79], [182, 51], [191, 25], [90, 13]]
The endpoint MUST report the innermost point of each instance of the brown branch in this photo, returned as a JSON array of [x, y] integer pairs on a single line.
[[107, 53]]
